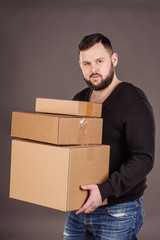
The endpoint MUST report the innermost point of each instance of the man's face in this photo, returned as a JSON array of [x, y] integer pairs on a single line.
[[97, 67]]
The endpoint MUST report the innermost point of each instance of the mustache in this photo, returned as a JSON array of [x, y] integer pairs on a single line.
[[95, 74]]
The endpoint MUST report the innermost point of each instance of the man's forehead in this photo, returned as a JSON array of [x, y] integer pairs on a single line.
[[95, 52]]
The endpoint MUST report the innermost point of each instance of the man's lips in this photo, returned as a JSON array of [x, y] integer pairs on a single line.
[[95, 76]]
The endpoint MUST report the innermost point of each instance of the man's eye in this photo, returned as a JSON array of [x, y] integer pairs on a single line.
[[86, 64], [99, 61]]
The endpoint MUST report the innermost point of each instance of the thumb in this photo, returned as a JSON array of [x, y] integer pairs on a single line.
[[85, 187]]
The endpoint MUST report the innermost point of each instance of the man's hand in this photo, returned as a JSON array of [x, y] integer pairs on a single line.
[[93, 201]]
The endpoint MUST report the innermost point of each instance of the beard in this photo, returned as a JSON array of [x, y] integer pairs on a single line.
[[104, 82]]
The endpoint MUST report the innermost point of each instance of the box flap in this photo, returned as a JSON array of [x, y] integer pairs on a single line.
[[33, 126], [39, 174], [80, 131], [87, 166]]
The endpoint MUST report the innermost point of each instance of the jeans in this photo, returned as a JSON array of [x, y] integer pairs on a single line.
[[118, 222]]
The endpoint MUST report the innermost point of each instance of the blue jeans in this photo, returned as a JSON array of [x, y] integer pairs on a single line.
[[118, 222]]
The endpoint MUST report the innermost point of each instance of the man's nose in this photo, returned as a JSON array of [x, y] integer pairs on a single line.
[[94, 68]]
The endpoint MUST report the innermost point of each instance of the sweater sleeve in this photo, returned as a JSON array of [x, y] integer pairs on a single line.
[[139, 133]]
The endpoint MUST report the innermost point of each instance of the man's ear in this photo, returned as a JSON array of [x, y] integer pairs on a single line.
[[114, 59]]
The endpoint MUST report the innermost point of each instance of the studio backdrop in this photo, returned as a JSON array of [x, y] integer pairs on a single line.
[[39, 58]]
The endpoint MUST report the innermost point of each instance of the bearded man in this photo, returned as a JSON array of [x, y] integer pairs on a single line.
[[128, 127]]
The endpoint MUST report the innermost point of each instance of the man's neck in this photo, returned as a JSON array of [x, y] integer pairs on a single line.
[[102, 95]]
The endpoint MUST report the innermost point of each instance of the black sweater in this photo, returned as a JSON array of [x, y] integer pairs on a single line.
[[128, 127]]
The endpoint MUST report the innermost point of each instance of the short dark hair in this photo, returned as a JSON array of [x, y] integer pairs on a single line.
[[90, 40]]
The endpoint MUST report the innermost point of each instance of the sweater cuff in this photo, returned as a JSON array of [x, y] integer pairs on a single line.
[[105, 190]]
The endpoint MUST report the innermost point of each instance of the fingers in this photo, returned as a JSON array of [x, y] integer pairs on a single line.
[[93, 201], [87, 207]]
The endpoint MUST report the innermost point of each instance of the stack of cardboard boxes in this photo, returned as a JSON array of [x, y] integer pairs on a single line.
[[59, 148]]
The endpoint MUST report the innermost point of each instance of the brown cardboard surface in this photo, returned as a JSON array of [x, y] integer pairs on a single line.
[[78, 108], [87, 166], [50, 175], [56, 129]]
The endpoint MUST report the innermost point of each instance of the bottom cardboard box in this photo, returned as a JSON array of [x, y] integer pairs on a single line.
[[51, 176]]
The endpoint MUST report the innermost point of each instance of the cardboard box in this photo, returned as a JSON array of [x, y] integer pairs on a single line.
[[78, 108], [56, 129], [51, 176]]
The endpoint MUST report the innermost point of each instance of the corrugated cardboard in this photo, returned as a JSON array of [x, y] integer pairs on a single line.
[[56, 129], [68, 107], [51, 176]]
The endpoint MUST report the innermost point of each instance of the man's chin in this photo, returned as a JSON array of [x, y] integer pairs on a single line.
[[99, 86], [96, 87], [93, 84]]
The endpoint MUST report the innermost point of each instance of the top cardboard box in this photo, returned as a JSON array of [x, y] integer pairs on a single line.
[[77, 108]]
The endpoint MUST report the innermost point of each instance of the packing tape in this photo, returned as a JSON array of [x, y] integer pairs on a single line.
[[82, 131], [89, 109], [90, 153]]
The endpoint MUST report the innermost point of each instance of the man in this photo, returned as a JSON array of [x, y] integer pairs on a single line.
[[128, 127]]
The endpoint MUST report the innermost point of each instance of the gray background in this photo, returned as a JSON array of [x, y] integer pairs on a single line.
[[38, 58]]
